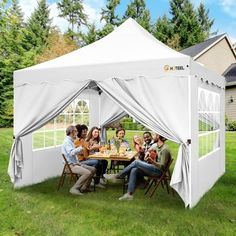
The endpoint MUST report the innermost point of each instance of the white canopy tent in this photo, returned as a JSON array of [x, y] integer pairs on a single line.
[[126, 72]]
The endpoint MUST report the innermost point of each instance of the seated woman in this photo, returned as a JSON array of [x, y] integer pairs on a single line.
[[120, 135], [83, 156], [138, 143], [124, 146], [93, 141]]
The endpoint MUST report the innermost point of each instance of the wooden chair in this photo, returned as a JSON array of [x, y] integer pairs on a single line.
[[164, 180], [66, 172]]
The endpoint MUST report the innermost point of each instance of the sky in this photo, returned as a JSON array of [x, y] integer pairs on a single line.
[[222, 11]]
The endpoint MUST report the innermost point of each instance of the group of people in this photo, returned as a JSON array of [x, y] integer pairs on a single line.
[[153, 155]]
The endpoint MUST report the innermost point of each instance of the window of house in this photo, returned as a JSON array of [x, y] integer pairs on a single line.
[[209, 121], [53, 133]]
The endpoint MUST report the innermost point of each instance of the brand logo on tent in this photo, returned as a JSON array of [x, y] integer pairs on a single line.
[[172, 68]]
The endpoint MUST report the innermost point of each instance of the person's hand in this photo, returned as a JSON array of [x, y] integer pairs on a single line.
[[146, 156], [149, 160], [96, 146]]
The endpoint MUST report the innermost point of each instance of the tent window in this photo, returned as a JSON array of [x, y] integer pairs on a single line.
[[208, 121], [53, 133]]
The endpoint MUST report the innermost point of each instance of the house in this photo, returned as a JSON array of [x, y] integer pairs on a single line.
[[219, 55], [230, 96]]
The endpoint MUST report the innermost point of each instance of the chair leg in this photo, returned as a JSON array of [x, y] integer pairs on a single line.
[[157, 184], [167, 186], [162, 185], [61, 181], [149, 186]]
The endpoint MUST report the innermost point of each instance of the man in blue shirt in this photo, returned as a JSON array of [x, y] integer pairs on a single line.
[[85, 172]]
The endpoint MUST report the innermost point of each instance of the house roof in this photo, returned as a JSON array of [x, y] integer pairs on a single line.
[[197, 50], [230, 75]]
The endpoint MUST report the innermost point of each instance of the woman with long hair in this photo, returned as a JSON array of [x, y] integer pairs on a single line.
[[93, 140], [83, 157]]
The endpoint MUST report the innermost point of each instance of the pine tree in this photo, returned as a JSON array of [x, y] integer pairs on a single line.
[[107, 29], [13, 56], [163, 29], [185, 23], [137, 10], [90, 36], [108, 13], [205, 22], [38, 28], [73, 11]]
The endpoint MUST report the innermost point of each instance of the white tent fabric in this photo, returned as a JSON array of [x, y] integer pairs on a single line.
[[141, 77], [108, 116], [41, 104], [157, 111]]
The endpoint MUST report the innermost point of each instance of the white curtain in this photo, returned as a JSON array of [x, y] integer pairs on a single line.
[[35, 105], [110, 112], [160, 104]]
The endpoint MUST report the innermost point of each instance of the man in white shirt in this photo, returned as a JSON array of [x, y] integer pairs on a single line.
[[85, 172]]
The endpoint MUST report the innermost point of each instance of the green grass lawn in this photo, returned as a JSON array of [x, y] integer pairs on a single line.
[[41, 210]]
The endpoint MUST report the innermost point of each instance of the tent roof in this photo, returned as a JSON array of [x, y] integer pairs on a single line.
[[127, 43]]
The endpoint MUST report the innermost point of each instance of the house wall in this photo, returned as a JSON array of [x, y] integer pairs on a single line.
[[218, 58], [230, 107]]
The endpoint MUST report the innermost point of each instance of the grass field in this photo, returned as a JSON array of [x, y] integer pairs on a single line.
[[41, 210]]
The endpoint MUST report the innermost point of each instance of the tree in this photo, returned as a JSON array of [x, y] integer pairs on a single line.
[[90, 36], [185, 23], [163, 29], [108, 13], [73, 11], [205, 22], [13, 56], [57, 45], [137, 10], [38, 27]]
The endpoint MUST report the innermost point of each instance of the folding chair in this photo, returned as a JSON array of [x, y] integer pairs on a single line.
[[66, 172], [163, 180]]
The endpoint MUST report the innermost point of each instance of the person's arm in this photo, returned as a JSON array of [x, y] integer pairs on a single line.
[[93, 146], [165, 156], [71, 150]]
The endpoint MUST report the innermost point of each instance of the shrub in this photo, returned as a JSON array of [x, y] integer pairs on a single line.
[[231, 125], [140, 127]]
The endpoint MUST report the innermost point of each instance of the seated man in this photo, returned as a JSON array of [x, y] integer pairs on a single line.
[[148, 167], [85, 172], [148, 142]]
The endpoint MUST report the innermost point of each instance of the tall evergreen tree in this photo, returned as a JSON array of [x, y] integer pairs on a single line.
[[17, 11], [13, 56], [163, 29], [73, 11], [90, 36], [112, 20], [137, 10], [38, 27], [185, 23], [108, 13], [203, 18]]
